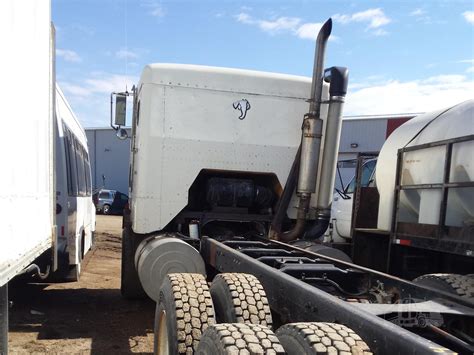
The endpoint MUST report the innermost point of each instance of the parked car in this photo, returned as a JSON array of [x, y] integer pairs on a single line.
[[109, 201]]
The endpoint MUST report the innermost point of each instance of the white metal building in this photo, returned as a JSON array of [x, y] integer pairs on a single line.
[[360, 134]]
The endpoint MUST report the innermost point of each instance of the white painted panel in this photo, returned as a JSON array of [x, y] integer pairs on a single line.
[[26, 180], [188, 123]]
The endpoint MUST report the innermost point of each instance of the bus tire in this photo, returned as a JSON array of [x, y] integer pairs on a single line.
[[320, 338], [74, 273], [461, 285], [238, 338], [130, 286], [183, 313], [240, 298]]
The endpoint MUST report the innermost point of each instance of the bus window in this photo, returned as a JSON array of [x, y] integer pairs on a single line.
[[87, 166], [81, 175], [70, 162]]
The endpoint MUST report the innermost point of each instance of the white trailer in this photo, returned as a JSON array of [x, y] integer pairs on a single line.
[[28, 192], [46, 177]]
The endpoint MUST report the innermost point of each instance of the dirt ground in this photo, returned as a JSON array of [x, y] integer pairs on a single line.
[[85, 317]]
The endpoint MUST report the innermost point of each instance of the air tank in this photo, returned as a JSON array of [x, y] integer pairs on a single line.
[[426, 166]]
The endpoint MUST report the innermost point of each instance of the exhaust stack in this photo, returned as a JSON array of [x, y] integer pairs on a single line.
[[338, 79], [310, 139]]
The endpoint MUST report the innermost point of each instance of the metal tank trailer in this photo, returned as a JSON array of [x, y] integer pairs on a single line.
[[229, 188]]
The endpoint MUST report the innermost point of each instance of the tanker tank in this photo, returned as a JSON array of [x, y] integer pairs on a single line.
[[427, 166]]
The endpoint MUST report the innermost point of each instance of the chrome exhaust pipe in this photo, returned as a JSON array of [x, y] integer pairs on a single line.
[[338, 79], [313, 125], [319, 55], [310, 139]]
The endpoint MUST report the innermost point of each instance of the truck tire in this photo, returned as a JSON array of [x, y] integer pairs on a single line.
[[320, 338], [238, 338], [240, 298], [130, 286], [183, 313], [461, 285]]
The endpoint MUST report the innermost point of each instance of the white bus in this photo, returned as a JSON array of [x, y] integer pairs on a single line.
[[75, 211]]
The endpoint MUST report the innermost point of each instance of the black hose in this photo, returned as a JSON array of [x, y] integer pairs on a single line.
[[317, 229], [336, 285]]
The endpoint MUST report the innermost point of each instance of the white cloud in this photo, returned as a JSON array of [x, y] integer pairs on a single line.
[[154, 8], [291, 25], [99, 83], [375, 18], [75, 90], [470, 69], [380, 32], [309, 30], [417, 12], [90, 97], [469, 16], [68, 55], [244, 18], [126, 54], [411, 96], [280, 24], [466, 61], [107, 83]]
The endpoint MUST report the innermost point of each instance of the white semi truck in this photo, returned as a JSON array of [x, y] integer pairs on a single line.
[[46, 209], [231, 181]]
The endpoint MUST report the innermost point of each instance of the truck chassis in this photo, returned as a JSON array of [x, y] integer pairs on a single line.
[[290, 275]]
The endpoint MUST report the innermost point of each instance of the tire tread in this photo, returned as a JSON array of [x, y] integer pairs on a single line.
[[322, 338]]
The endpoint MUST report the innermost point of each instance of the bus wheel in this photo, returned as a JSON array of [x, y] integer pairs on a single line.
[[106, 209], [74, 273]]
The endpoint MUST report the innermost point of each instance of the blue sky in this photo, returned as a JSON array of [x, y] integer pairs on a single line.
[[403, 56]]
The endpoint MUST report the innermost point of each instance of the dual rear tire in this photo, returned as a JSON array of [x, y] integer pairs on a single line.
[[460, 285], [233, 317]]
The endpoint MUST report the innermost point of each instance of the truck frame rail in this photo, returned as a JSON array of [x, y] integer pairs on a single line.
[[290, 275]]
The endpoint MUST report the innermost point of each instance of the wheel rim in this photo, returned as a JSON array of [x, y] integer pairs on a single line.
[[162, 346], [106, 209]]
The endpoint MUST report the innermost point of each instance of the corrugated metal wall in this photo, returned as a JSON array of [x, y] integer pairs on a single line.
[[110, 159]]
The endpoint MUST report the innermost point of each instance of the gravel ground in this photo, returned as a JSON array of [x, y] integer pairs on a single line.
[[85, 317]]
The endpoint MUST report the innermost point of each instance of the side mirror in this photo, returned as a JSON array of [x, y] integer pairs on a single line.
[[122, 134], [120, 110]]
